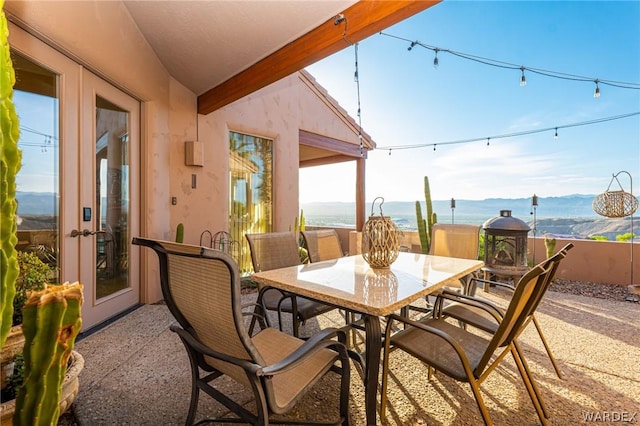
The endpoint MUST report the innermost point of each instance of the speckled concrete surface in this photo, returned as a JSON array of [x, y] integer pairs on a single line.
[[136, 373]]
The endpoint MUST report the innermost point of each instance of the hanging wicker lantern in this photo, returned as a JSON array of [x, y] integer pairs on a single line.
[[380, 242], [615, 203]]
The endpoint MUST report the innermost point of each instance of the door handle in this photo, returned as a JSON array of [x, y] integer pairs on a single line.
[[85, 233]]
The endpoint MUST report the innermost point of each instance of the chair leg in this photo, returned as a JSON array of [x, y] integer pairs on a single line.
[[385, 371], [530, 384], [345, 381], [195, 390], [547, 348], [480, 402]]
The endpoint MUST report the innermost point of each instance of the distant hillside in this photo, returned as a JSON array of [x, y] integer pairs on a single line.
[[36, 203], [570, 215], [584, 228]]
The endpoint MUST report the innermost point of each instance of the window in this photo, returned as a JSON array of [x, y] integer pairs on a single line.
[[250, 191]]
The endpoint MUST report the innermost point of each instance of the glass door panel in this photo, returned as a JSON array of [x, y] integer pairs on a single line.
[[112, 197], [250, 191], [110, 135], [38, 192]]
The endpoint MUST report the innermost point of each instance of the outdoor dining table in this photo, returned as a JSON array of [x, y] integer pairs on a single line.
[[350, 283]]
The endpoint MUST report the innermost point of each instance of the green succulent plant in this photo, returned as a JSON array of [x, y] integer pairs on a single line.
[[33, 275]]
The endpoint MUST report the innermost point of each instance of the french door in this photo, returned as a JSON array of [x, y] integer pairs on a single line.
[[78, 187], [108, 147]]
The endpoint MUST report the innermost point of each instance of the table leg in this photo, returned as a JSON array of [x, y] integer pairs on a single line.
[[373, 345]]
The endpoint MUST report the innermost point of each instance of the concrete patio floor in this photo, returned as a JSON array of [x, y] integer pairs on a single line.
[[136, 373]]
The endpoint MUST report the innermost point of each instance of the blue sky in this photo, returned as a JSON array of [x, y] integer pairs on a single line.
[[405, 101]]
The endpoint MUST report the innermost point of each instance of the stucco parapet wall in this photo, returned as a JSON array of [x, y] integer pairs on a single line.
[[605, 262]]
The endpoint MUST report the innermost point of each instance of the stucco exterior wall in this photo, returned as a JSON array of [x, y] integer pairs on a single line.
[[124, 59], [102, 37], [276, 112]]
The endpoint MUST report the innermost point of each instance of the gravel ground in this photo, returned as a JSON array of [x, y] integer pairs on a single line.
[[590, 289], [582, 288]]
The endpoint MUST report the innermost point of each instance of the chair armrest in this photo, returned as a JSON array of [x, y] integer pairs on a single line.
[[496, 283], [477, 302], [204, 350], [317, 342], [425, 327], [253, 313]]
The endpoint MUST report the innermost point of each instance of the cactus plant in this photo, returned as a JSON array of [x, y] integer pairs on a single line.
[[10, 157], [180, 233], [425, 224], [51, 323], [299, 225], [549, 245]]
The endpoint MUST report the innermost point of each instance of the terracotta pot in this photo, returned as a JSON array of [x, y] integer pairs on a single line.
[[70, 387], [13, 346]]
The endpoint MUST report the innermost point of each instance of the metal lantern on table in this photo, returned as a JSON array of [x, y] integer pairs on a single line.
[[380, 239]]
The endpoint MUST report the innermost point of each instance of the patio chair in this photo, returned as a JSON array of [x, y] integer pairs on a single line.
[[202, 291], [462, 241], [322, 244], [466, 356], [476, 317], [275, 250]]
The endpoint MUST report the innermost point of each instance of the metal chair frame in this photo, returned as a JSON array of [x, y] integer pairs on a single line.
[[220, 346], [472, 357]]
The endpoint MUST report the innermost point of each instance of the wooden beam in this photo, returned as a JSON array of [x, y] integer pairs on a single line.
[[323, 161], [363, 19], [330, 144]]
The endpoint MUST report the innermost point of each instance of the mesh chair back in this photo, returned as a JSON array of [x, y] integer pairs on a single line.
[[460, 241], [202, 291], [273, 250], [527, 290], [322, 244], [552, 263]]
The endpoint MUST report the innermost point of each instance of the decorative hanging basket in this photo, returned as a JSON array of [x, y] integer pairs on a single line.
[[380, 242], [615, 203]]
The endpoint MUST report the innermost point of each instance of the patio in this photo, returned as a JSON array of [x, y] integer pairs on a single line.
[[136, 372]]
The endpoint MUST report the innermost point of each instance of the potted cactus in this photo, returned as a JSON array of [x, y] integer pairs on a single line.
[[32, 276], [51, 317]]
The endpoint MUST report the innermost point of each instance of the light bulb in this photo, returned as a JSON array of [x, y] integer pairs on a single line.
[[556, 135], [596, 93], [435, 60], [523, 79]]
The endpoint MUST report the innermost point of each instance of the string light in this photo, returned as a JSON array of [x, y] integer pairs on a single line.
[[435, 60], [357, 79], [556, 135], [523, 79], [512, 135], [507, 65], [434, 146]]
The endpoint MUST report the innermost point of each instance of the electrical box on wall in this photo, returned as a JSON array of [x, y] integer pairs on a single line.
[[194, 153]]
